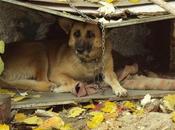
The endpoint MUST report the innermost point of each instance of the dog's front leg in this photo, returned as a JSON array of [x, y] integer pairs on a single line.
[[64, 82], [111, 79]]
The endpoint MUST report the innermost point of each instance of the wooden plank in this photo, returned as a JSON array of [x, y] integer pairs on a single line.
[[49, 99], [83, 3], [5, 108], [139, 21]]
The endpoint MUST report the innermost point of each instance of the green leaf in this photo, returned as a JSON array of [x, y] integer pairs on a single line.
[[1, 66], [2, 47]]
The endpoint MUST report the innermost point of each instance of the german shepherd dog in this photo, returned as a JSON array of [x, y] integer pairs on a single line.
[[59, 66]]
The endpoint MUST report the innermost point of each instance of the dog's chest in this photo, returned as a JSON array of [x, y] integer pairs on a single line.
[[89, 71]]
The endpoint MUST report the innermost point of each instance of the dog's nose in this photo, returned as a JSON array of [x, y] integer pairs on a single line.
[[80, 49]]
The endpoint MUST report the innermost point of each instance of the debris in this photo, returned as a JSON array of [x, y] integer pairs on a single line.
[[96, 120], [109, 107], [146, 99], [33, 120], [169, 102], [75, 111], [53, 122], [44, 113], [4, 127]]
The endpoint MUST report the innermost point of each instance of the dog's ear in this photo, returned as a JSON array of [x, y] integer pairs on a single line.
[[65, 24]]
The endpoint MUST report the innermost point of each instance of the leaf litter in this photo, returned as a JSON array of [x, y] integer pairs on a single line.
[[100, 115]]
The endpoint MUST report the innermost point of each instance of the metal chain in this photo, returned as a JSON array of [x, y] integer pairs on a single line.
[[102, 27]]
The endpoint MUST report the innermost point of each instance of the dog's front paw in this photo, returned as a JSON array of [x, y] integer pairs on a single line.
[[120, 92]]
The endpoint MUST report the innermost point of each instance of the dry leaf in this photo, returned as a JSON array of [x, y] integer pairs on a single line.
[[4, 127], [109, 1], [173, 116], [67, 127], [53, 122], [18, 98], [96, 120], [139, 112], [169, 102], [134, 1], [46, 113], [34, 120], [146, 100], [8, 92], [90, 106], [75, 111], [20, 117], [109, 107], [130, 105]]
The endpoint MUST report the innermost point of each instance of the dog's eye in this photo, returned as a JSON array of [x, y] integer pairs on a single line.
[[90, 34], [77, 33]]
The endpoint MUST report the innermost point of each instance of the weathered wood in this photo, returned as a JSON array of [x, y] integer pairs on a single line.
[[49, 99], [164, 5], [5, 108]]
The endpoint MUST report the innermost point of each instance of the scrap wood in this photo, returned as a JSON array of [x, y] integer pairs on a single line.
[[164, 5]]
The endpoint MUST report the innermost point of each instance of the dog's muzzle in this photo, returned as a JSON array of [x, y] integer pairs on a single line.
[[82, 47]]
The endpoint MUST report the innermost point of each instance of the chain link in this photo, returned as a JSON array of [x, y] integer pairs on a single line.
[[92, 21]]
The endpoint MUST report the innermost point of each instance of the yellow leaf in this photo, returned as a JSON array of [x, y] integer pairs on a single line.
[[109, 107], [134, 1], [34, 120], [75, 111], [18, 98], [2, 47], [1, 66], [53, 122], [130, 105], [6, 91], [20, 117], [96, 120], [173, 116], [139, 112], [4, 127], [90, 106], [40, 129], [67, 127], [109, 1], [169, 102]]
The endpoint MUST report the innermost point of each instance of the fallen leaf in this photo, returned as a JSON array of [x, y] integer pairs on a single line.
[[34, 120], [169, 102], [134, 1], [109, 107], [146, 100], [75, 111], [8, 92], [20, 117], [67, 127], [2, 47], [19, 98], [53, 122], [173, 116], [139, 112], [4, 127], [90, 106], [130, 105], [109, 1], [1, 66], [45, 113], [24, 94], [96, 120]]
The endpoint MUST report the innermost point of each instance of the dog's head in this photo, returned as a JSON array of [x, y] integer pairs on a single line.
[[84, 39]]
